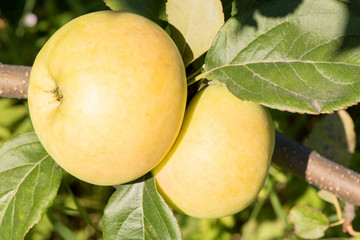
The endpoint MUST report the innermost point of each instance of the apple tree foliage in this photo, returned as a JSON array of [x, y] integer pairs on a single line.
[[300, 56]]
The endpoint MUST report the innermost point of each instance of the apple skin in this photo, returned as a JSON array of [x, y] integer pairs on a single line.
[[220, 160], [107, 96]]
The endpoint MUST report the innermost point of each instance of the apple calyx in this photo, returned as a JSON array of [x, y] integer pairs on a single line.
[[58, 94]]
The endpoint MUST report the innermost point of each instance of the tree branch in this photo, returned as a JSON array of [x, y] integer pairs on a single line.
[[290, 155], [14, 81], [349, 216], [317, 170]]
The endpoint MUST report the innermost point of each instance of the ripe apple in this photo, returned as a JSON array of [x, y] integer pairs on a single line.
[[107, 96], [220, 160]]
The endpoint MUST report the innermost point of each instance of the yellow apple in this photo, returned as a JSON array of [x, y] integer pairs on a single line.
[[107, 96], [220, 160]]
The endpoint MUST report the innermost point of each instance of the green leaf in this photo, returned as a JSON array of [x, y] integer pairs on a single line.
[[61, 229], [152, 9], [206, 229], [290, 56], [195, 24], [82, 211], [229, 8], [24, 126], [328, 197], [29, 183], [309, 222], [4, 132], [334, 137], [10, 112], [136, 211], [232, 7]]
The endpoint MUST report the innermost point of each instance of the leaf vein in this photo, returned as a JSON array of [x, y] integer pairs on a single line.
[[276, 85], [21, 181]]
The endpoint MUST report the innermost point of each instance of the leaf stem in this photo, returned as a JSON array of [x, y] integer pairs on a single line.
[[202, 75], [276, 204], [192, 77], [250, 226], [338, 211], [195, 73], [60, 228], [82, 210]]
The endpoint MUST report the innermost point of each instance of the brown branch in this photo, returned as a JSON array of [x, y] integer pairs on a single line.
[[349, 216], [317, 170], [290, 155], [14, 81]]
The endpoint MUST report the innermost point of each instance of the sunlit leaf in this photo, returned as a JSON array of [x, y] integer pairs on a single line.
[[29, 183], [290, 55], [349, 129], [328, 197], [195, 22], [309, 222], [136, 211], [152, 9]]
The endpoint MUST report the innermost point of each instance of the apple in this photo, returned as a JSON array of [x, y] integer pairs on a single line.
[[220, 160], [107, 96]]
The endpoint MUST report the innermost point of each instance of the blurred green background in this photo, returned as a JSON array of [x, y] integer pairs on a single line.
[[25, 25]]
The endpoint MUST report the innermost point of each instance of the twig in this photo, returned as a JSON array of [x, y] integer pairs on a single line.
[[290, 155], [14, 81], [349, 215], [317, 170]]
